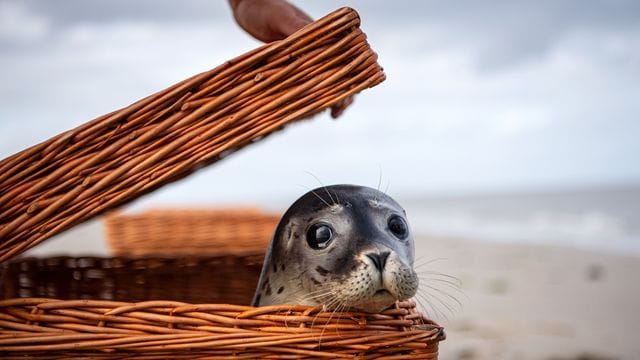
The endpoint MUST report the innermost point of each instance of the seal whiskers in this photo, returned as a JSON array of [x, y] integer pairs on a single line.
[[355, 251], [440, 291], [322, 186]]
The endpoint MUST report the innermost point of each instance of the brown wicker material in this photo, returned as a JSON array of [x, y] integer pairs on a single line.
[[158, 329], [166, 136], [206, 232], [220, 279], [122, 155], [109, 327]]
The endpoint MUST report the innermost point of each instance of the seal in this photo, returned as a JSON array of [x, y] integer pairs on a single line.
[[342, 246]]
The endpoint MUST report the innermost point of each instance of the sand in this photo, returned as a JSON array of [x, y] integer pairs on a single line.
[[533, 302], [517, 301]]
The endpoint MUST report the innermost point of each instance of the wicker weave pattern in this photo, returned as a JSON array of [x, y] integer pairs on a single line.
[[166, 136], [133, 279], [159, 328], [205, 232]]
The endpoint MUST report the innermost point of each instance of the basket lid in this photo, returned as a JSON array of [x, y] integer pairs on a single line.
[[120, 156]]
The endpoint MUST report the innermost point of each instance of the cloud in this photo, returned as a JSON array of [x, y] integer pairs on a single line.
[[100, 11], [78, 69], [478, 96], [18, 25], [501, 33]]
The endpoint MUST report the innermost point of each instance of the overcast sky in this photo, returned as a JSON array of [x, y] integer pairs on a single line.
[[480, 96]]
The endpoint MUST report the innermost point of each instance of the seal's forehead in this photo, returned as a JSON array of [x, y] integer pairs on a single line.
[[343, 196]]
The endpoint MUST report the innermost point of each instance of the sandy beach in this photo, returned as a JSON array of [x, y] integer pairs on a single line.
[[533, 302]]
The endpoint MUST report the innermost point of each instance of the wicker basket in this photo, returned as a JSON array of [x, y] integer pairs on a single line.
[[206, 232], [111, 326], [166, 136]]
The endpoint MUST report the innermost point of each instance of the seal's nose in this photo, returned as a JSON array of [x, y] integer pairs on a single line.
[[379, 259]]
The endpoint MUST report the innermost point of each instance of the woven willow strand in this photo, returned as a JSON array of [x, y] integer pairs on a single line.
[[184, 232], [154, 328], [122, 155]]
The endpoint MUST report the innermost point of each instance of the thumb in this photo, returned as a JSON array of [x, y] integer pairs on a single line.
[[292, 21]]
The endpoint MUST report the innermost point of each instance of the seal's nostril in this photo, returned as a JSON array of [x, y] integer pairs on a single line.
[[379, 260], [376, 260], [383, 258]]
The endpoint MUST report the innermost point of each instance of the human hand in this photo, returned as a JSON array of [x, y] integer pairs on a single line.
[[268, 20], [271, 20]]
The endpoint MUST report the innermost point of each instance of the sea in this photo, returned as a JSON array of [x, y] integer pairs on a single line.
[[601, 219]]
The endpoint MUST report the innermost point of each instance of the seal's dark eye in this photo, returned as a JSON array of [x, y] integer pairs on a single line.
[[319, 236], [398, 227]]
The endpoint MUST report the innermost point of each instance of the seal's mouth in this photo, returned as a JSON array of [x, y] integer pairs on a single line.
[[381, 299]]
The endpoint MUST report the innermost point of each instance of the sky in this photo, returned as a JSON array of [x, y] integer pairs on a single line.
[[480, 96]]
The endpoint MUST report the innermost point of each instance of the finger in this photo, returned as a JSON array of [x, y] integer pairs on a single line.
[[338, 109], [292, 20]]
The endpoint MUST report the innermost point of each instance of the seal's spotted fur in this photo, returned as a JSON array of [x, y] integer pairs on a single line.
[[366, 264]]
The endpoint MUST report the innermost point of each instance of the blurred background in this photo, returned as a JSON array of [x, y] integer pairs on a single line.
[[509, 130]]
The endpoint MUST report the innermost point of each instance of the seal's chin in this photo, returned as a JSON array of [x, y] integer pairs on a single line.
[[380, 300]]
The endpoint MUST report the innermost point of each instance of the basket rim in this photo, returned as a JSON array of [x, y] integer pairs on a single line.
[[44, 324]]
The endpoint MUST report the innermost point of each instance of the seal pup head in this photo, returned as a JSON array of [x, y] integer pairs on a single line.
[[343, 246]]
